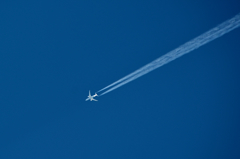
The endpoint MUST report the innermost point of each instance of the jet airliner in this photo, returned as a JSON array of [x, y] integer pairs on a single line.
[[90, 97]]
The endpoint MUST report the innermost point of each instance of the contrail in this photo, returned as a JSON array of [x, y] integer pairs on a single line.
[[197, 42]]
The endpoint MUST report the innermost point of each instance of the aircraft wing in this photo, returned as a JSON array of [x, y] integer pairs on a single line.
[[94, 99], [89, 93]]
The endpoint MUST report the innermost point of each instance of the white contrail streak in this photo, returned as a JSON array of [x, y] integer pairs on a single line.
[[201, 40]]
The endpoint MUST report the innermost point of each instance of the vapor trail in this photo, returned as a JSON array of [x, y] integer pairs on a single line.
[[201, 40]]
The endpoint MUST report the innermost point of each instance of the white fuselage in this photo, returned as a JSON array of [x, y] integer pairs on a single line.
[[91, 98]]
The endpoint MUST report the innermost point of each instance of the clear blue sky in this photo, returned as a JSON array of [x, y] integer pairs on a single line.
[[53, 52]]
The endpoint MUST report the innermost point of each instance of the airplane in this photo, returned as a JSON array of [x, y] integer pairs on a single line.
[[91, 97]]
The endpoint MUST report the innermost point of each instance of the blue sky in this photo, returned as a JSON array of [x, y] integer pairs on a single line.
[[53, 52]]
